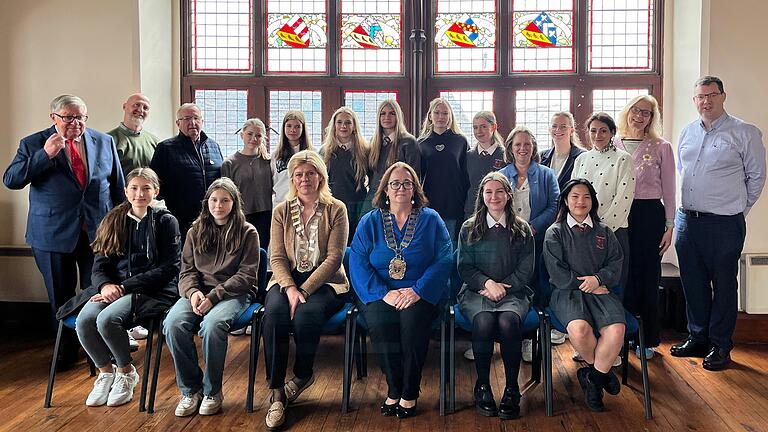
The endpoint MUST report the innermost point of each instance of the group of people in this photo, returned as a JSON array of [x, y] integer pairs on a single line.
[[588, 223]]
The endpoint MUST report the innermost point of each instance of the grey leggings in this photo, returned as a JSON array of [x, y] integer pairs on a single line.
[[101, 332]]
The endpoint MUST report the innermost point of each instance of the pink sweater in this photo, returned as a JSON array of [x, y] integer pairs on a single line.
[[654, 172]]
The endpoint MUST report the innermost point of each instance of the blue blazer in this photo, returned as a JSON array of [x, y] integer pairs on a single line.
[[57, 204], [543, 194]]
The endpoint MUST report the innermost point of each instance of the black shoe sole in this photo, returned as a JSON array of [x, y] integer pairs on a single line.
[[715, 368], [486, 413]]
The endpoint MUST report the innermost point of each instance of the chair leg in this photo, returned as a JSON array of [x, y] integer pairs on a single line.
[[155, 369], [625, 362], [147, 360], [443, 354], [545, 331], [644, 369], [254, 358], [452, 360], [54, 363], [364, 351], [349, 337]]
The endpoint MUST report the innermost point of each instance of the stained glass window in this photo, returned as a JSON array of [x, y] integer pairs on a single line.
[[308, 101], [365, 104], [534, 109], [224, 112], [465, 105], [621, 35], [371, 37], [465, 36], [542, 36], [297, 36], [221, 35], [613, 101]]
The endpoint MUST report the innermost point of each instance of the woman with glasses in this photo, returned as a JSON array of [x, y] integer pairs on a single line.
[[652, 215], [565, 146], [345, 153], [443, 148], [496, 262], [535, 191], [390, 143], [308, 285], [399, 266]]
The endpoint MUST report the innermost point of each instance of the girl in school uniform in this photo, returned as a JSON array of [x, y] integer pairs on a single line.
[[218, 270], [294, 137], [584, 261]]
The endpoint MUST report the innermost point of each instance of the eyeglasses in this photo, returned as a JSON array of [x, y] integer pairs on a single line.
[[396, 185], [191, 118], [70, 119], [642, 112], [703, 97]]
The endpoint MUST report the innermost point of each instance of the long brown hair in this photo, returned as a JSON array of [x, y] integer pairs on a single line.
[[284, 150], [209, 236], [478, 225], [378, 137], [111, 234], [359, 146], [419, 197], [509, 152]]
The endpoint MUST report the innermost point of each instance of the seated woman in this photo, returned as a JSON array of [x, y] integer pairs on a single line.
[[496, 261], [584, 258], [218, 269], [308, 285], [399, 265], [135, 269]]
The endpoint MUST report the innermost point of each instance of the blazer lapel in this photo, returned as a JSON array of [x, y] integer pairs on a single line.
[[91, 154]]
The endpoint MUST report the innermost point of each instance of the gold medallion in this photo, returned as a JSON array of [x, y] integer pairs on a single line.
[[397, 268]]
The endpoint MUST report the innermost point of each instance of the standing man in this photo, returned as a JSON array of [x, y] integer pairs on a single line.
[[135, 146], [721, 160], [187, 164], [75, 179]]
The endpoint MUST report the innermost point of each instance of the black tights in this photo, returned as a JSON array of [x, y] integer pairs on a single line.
[[504, 327]]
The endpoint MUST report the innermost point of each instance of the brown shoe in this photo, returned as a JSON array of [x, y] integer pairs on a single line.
[[293, 390], [275, 415]]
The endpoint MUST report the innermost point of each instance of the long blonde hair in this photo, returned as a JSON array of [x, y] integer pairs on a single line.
[[259, 126], [309, 157], [110, 235], [378, 136], [490, 117], [653, 130], [427, 126], [209, 236], [575, 140], [359, 146], [284, 150]]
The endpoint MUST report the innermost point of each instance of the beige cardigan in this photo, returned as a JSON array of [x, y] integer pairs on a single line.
[[332, 234]]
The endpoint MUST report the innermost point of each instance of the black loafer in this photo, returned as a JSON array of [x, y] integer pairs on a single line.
[[388, 410], [509, 408], [593, 393], [484, 402], [689, 348], [717, 359], [612, 385], [403, 413]]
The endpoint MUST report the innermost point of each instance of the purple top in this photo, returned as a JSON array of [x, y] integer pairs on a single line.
[[654, 172]]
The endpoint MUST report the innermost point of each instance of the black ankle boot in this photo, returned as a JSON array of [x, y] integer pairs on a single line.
[[484, 402]]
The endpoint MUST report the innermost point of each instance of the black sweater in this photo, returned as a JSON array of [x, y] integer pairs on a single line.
[[444, 172]]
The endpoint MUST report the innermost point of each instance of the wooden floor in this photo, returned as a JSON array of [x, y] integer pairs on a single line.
[[685, 397]]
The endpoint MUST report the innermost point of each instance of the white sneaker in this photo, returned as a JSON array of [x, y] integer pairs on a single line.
[[527, 350], [100, 393], [469, 354], [188, 405], [557, 337], [577, 357], [139, 332], [211, 404], [122, 389], [133, 343]]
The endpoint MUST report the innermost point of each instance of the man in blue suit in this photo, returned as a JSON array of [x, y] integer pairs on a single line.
[[75, 179]]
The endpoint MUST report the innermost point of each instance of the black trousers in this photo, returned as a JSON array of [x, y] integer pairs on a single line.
[[307, 326], [401, 338], [641, 294], [623, 237], [262, 221]]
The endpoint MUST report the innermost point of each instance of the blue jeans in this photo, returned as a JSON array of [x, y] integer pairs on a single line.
[[179, 328], [708, 248], [100, 328]]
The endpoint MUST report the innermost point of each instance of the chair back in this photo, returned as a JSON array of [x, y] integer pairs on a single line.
[[454, 280]]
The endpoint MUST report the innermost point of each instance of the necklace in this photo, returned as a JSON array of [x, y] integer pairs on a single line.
[[397, 265], [307, 242]]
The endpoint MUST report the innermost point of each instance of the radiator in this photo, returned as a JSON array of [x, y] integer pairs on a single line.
[[753, 283]]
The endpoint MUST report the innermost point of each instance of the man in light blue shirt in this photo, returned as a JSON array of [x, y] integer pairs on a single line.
[[721, 161]]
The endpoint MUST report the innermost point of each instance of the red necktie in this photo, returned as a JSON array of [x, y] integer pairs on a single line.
[[78, 167]]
